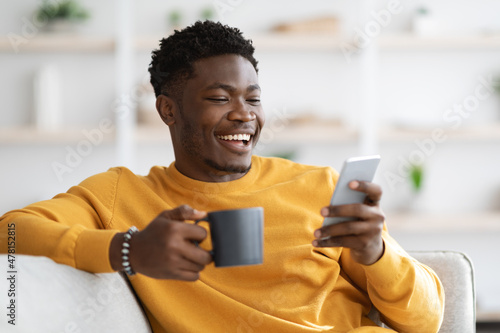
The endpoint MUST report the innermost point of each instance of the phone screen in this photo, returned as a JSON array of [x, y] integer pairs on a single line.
[[361, 168]]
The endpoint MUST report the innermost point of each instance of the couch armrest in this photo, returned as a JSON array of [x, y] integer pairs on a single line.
[[456, 272], [50, 297]]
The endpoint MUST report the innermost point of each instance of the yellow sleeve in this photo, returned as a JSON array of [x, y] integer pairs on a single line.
[[408, 294], [70, 227]]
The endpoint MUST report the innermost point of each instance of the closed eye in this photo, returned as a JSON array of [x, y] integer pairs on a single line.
[[218, 100], [254, 101]]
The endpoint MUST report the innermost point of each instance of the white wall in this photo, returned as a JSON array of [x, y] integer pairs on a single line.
[[416, 88]]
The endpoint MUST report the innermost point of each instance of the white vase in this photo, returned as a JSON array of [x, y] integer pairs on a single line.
[[47, 98], [425, 26]]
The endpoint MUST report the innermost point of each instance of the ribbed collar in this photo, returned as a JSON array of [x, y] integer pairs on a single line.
[[214, 187]]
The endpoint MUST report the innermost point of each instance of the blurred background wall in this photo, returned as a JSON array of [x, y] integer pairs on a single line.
[[411, 80]]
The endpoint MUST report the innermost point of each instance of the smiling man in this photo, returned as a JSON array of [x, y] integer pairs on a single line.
[[217, 120], [314, 278]]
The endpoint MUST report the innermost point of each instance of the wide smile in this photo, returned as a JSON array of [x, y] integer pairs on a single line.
[[238, 142]]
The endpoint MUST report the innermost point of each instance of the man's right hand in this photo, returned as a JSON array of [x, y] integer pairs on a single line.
[[165, 248]]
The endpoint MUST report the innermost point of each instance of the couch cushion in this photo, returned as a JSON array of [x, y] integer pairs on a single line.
[[57, 298]]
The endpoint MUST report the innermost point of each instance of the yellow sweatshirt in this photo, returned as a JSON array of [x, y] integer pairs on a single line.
[[298, 288]]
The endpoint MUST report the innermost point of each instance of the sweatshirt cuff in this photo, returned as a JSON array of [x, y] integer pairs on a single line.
[[92, 250], [388, 268]]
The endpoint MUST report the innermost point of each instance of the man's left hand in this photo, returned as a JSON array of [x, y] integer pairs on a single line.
[[363, 235]]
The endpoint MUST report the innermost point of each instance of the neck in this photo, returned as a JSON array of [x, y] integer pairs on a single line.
[[210, 175]]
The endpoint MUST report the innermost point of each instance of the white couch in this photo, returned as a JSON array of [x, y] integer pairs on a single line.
[[50, 297]]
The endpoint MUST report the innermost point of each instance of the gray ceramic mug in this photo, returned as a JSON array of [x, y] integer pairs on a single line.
[[237, 236]]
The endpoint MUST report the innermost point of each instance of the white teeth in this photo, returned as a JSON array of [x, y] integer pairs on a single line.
[[239, 137]]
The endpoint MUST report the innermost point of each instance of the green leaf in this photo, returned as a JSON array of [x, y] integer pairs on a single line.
[[416, 175], [65, 9]]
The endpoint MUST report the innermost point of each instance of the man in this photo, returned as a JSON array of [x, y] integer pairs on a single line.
[[313, 279]]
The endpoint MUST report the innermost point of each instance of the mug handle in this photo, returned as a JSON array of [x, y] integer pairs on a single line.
[[196, 242]]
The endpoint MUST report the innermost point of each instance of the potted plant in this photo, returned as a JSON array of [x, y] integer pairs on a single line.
[[175, 19], [60, 16], [207, 13], [496, 84], [496, 89], [416, 174], [414, 199], [424, 23]]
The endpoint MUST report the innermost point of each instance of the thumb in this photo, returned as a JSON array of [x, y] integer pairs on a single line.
[[182, 213]]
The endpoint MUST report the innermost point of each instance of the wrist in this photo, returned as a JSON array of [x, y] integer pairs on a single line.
[[126, 250], [373, 255], [119, 252], [115, 252]]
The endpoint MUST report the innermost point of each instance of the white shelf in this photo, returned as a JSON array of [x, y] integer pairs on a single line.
[[29, 135], [69, 43], [410, 42], [435, 223], [297, 42], [309, 133], [472, 133]]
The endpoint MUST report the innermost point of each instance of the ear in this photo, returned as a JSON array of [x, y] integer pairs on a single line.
[[167, 108]]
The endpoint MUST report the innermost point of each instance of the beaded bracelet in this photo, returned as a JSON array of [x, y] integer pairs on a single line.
[[126, 250]]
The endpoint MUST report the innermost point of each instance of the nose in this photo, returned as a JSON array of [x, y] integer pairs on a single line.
[[241, 112]]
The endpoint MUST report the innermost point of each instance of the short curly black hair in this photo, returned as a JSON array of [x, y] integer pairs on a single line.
[[172, 63]]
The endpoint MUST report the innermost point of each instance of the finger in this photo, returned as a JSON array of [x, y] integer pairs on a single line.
[[192, 266], [352, 242], [358, 211], [182, 213], [344, 229], [193, 232], [373, 191], [197, 255], [364, 250], [190, 233], [186, 275], [354, 235], [328, 242], [369, 220], [167, 229]]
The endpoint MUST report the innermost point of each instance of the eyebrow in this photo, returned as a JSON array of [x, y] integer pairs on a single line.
[[227, 87]]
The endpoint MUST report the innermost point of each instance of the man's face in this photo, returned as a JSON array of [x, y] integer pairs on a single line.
[[220, 120]]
